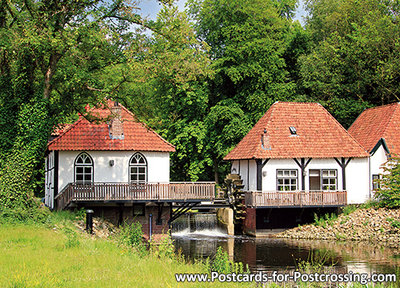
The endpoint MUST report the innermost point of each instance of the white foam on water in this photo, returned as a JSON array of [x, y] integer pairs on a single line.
[[204, 233]]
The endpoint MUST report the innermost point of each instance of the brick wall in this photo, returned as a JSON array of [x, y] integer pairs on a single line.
[[249, 224], [116, 128]]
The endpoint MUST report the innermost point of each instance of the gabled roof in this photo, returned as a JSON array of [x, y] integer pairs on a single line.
[[85, 135], [376, 123], [318, 135]]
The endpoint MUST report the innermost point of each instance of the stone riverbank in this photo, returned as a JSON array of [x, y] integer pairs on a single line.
[[375, 225]]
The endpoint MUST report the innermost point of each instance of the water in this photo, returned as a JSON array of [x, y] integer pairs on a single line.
[[191, 222], [271, 254]]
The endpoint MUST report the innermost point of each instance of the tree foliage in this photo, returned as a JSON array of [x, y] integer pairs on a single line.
[[248, 40], [355, 60], [200, 78], [52, 57], [388, 194]]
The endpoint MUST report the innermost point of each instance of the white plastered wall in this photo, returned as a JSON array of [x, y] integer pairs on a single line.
[[357, 175], [377, 160], [357, 181], [157, 162], [246, 169]]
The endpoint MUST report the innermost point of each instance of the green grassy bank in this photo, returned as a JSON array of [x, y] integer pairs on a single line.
[[56, 255]]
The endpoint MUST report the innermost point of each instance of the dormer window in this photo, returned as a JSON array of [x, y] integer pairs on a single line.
[[293, 130]]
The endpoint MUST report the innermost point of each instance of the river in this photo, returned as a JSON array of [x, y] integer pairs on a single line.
[[270, 254]]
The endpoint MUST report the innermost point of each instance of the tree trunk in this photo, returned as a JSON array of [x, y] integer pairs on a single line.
[[54, 58], [216, 178]]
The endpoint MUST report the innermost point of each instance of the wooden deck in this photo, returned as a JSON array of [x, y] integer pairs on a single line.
[[116, 192], [294, 199]]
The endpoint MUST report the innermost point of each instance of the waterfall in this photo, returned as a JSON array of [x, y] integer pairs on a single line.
[[200, 223]]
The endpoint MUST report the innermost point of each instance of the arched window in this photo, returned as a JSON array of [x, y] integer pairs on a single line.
[[138, 169], [83, 169]]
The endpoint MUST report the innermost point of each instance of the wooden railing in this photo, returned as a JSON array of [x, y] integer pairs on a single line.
[[295, 199], [108, 192]]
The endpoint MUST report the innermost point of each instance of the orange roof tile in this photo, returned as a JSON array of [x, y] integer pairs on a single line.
[[84, 135], [60, 128], [319, 135], [376, 123]]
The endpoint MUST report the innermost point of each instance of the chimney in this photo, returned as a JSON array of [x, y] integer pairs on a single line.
[[265, 144], [115, 126]]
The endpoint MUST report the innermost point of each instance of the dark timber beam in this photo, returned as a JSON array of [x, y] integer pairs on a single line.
[[302, 164], [259, 174], [159, 206], [343, 164], [260, 166], [182, 210]]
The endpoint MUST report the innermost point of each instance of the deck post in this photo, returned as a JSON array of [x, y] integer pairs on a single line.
[[159, 206], [120, 214], [150, 225]]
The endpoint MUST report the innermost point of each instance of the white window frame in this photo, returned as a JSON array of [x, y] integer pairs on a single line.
[[331, 180], [287, 180], [87, 169], [138, 169]]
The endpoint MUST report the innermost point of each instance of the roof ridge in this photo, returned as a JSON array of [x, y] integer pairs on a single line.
[[382, 106], [294, 102], [341, 127], [146, 126]]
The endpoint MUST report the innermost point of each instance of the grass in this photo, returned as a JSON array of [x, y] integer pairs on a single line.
[[55, 254], [40, 256], [325, 220]]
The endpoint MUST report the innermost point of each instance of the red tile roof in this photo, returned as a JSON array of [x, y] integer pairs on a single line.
[[319, 135], [85, 135], [60, 128], [376, 123]]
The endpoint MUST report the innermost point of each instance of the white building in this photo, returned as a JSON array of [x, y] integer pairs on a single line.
[[118, 150], [378, 131], [120, 168], [299, 148]]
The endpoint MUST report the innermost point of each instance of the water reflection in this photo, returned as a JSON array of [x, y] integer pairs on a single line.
[[283, 255]]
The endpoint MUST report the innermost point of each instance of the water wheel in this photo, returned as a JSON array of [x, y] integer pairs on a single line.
[[235, 196]]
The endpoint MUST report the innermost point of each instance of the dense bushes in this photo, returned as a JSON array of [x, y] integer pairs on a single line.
[[22, 163]]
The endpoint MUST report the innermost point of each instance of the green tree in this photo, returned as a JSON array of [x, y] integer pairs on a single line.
[[53, 55], [248, 40], [354, 62], [388, 194], [164, 82]]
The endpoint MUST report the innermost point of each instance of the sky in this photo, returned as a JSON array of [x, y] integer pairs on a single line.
[[150, 9]]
